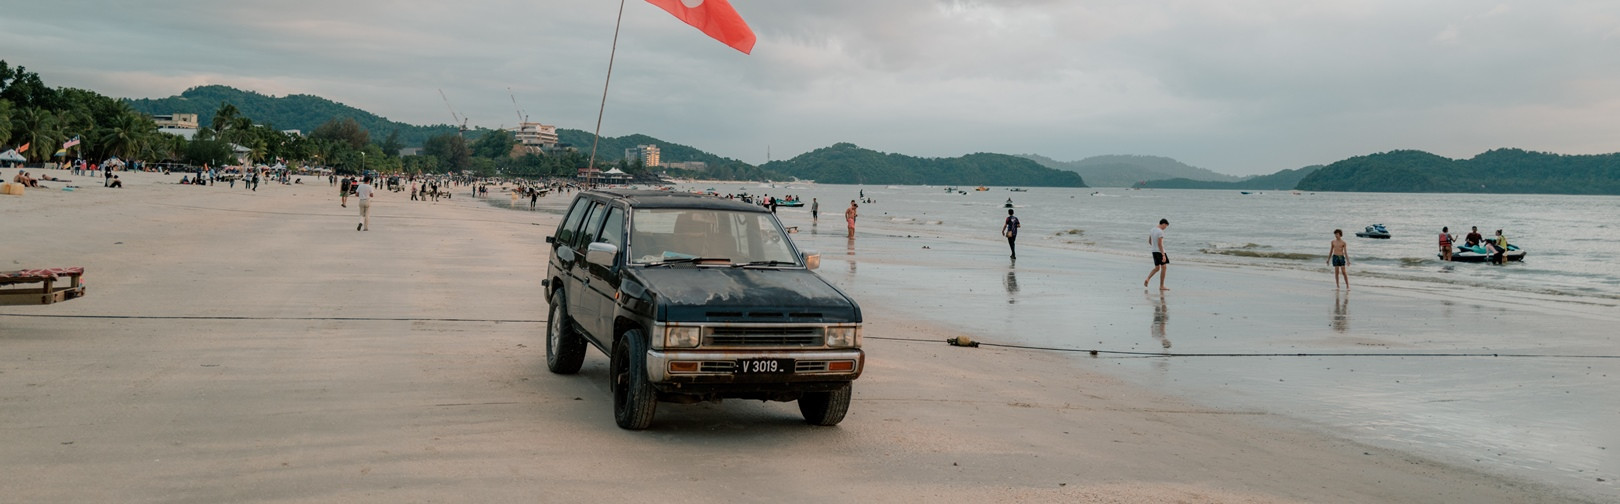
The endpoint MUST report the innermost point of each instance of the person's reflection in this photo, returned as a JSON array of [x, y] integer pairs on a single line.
[[1341, 312], [1011, 283], [849, 250], [1161, 317]]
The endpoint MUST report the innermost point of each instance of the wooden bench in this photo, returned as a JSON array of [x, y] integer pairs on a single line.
[[48, 292]]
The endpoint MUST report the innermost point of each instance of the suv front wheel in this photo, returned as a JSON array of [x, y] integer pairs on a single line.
[[633, 397], [825, 408], [565, 350]]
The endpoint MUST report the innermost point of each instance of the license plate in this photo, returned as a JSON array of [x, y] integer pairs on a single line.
[[764, 366]]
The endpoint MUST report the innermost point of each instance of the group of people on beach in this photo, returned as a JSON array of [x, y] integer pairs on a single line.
[[1497, 246]]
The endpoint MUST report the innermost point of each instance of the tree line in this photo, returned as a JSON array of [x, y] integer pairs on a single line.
[[46, 119]]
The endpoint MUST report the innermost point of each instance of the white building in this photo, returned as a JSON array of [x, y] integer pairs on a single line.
[[648, 154], [180, 121], [533, 134]]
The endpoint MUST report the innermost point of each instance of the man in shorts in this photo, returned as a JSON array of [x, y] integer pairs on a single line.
[[1339, 257], [343, 192], [1161, 260]]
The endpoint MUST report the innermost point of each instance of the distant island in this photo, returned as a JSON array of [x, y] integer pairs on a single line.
[[1120, 170], [1503, 171], [1280, 181], [846, 163]]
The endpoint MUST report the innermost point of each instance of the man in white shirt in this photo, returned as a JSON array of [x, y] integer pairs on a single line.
[[1161, 260], [363, 192]]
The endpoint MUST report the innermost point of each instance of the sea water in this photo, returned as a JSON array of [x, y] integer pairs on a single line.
[[1570, 240], [1357, 365]]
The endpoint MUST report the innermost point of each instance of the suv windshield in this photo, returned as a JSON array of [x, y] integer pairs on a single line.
[[668, 234]]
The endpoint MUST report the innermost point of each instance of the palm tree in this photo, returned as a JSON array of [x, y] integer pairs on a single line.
[[5, 121], [39, 129], [125, 135]]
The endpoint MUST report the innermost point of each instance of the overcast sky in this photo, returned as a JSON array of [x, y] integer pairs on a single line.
[[1236, 86]]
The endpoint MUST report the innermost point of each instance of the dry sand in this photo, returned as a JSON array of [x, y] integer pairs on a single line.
[[239, 346]]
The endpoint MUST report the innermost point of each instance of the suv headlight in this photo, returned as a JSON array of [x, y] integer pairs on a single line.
[[844, 336], [682, 336]]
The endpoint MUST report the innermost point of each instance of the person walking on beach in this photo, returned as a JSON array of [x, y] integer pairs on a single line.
[[363, 193], [1009, 229], [1161, 260], [1339, 257], [849, 216], [343, 192], [1445, 243], [815, 210]]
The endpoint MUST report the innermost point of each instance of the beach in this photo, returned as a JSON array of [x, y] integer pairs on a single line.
[[252, 346]]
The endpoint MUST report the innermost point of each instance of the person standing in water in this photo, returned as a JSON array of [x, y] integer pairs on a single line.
[[1009, 229], [1161, 260], [1445, 243], [849, 216], [815, 209], [1339, 257]]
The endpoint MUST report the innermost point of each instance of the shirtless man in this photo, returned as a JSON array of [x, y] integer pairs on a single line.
[[1339, 257]]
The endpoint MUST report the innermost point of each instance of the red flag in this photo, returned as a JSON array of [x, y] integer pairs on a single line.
[[24, 148], [714, 18]]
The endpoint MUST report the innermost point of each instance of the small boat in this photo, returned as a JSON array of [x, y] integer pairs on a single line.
[[1479, 253], [1375, 231], [1245, 193], [1016, 189], [788, 203], [1009, 203], [981, 188]]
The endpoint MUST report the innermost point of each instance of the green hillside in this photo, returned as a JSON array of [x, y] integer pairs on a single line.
[[1497, 171], [300, 112], [845, 163], [1282, 180]]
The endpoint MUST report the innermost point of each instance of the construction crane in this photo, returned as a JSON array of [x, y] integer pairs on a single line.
[[522, 118], [461, 121]]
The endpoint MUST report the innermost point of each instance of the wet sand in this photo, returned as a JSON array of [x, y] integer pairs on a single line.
[[244, 346]]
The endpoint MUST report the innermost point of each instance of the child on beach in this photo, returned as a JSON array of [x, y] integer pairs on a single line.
[[1339, 257]]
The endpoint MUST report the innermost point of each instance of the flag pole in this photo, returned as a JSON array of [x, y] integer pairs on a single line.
[[590, 169]]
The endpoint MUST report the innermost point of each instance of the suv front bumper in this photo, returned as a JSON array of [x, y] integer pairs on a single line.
[[718, 366]]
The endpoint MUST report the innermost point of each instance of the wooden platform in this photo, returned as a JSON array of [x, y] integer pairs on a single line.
[[16, 287]]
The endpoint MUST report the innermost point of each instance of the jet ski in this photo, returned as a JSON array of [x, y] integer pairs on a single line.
[[1479, 253], [1375, 231]]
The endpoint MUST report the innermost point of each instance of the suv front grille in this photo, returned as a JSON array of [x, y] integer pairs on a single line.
[[764, 336]]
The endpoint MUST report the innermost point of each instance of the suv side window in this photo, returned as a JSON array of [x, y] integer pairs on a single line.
[[593, 224], [613, 229], [565, 233]]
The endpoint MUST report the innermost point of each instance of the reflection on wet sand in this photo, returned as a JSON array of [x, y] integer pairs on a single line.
[[1161, 317], [1011, 283], [1341, 312], [849, 250]]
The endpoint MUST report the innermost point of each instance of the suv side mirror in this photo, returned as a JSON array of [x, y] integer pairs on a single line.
[[601, 254], [812, 259], [551, 239]]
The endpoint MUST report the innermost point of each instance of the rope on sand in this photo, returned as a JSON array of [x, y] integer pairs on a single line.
[[1094, 352], [222, 317]]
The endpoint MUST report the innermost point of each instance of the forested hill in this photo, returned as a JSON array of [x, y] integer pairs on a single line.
[[300, 112], [1128, 170], [845, 163], [1497, 171], [1282, 180]]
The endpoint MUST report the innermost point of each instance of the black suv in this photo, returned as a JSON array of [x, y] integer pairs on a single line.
[[696, 298]]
